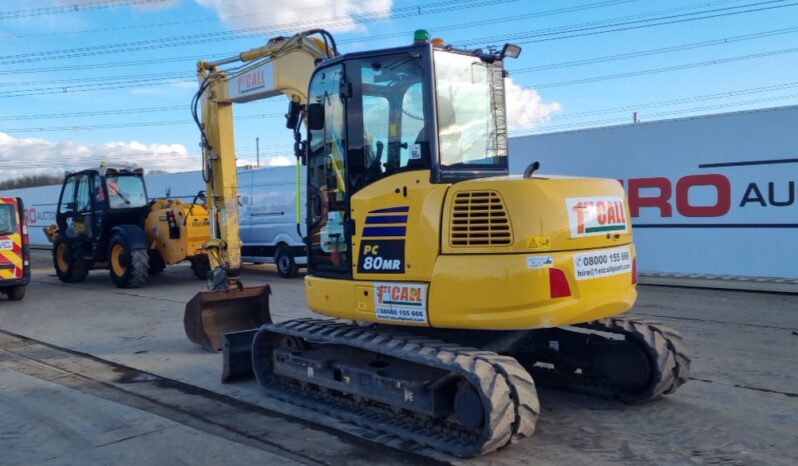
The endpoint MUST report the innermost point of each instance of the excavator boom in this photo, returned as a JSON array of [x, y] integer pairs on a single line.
[[282, 67]]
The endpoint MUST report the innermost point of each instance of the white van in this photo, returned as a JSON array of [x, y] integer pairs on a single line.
[[268, 218]]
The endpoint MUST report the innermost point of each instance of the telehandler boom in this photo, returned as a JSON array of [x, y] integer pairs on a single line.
[[455, 284]]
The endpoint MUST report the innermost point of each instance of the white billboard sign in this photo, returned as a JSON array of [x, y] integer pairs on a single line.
[[714, 195]]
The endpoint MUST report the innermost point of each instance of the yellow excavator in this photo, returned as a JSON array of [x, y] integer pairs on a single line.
[[452, 285]]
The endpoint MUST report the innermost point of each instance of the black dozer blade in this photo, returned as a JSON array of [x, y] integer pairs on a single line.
[[211, 314], [237, 355]]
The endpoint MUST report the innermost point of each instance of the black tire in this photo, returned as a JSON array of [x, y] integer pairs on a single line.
[[69, 266], [16, 293], [128, 267], [157, 265], [286, 265], [201, 267]]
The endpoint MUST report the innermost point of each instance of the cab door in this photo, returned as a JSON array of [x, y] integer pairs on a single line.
[[84, 215], [65, 217], [329, 242]]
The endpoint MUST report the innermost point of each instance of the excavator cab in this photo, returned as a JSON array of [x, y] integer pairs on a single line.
[[374, 115]]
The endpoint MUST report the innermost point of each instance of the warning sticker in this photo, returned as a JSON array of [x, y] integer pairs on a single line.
[[403, 302], [539, 262], [589, 216], [597, 264], [6, 244]]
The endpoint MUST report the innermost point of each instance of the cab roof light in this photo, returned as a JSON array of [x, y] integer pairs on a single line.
[[438, 42], [511, 50], [421, 36]]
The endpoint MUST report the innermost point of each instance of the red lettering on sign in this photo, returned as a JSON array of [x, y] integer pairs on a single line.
[[611, 217], [580, 217], [601, 210], [660, 201], [722, 204]]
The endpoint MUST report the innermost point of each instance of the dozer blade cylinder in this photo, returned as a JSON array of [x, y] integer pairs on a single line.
[[237, 355], [211, 314]]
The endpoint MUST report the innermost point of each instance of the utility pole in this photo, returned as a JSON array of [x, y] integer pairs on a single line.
[[257, 151]]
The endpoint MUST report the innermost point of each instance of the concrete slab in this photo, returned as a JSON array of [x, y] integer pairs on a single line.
[[741, 407]]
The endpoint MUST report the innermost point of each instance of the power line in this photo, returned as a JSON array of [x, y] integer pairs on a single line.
[[627, 108], [679, 101], [204, 38], [73, 8], [657, 51], [609, 121], [482, 22], [594, 28], [664, 69], [143, 80], [547, 67], [119, 111], [137, 124]]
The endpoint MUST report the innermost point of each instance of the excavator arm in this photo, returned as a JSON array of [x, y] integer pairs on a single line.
[[283, 66]]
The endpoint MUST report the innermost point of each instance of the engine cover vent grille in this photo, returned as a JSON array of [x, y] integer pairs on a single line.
[[479, 218]]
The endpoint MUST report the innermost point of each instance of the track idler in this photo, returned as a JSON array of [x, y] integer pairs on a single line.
[[211, 314]]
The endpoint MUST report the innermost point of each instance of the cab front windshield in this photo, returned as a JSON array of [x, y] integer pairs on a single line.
[[125, 191], [468, 106]]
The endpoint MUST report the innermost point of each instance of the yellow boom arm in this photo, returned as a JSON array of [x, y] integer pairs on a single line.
[[282, 66]]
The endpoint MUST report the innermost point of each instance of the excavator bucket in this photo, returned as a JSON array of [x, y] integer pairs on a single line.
[[211, 314]]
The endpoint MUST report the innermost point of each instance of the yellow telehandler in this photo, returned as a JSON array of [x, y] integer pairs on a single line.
[[106, 221], [452, 285]]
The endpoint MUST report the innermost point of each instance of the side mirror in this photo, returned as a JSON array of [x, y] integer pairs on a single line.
[[292, 117], [315, 117]]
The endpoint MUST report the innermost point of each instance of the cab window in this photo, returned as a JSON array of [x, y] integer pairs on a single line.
[[394, 135], [83, 199], [327, 178], [125, 191], [66, 203]]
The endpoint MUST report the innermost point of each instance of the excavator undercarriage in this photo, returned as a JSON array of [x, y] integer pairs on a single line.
[[431, 387]]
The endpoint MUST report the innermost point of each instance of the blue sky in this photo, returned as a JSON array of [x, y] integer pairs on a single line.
[[112, 79]]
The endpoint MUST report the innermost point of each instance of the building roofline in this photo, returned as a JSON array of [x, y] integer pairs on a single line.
[[658, 122]]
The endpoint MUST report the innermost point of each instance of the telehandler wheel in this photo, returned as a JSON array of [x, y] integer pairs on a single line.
[[286, 265], [15, 293], [69, 267], [128, 267], [201, 267], [157, 265]]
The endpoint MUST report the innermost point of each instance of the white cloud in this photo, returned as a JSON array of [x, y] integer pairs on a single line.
[[280, 161], [297, 14], [525, 107], [35, 155]]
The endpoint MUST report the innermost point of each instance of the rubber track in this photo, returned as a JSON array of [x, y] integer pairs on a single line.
[[666, 347], [507, 390], [666, 350]]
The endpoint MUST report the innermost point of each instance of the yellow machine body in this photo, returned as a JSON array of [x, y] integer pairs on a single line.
[[182, 240], [471, 273]]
